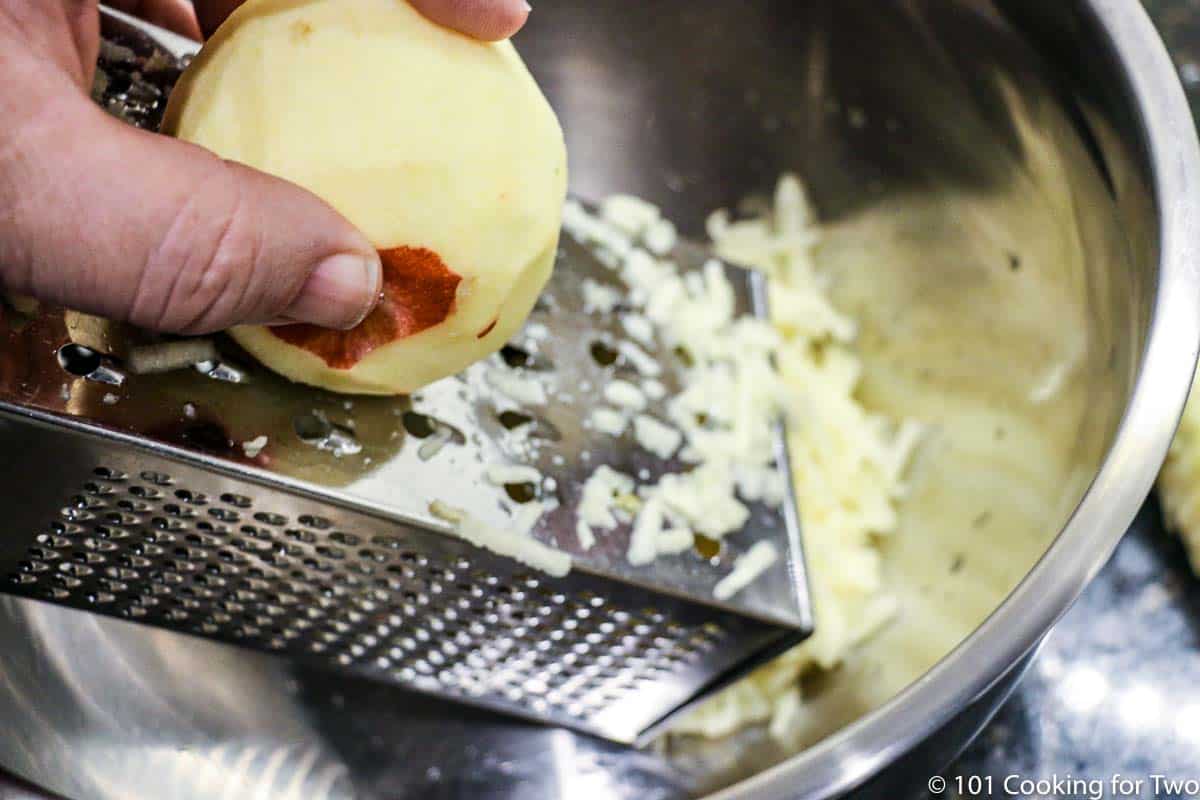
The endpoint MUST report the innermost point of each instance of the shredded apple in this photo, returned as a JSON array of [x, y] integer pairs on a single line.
[[418, 293]]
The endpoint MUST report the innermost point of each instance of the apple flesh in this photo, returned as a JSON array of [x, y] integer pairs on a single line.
[[440, 148]]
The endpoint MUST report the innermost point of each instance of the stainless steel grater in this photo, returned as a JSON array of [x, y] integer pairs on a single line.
[[156, 498]]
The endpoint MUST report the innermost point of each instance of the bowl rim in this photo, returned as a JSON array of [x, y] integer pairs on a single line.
[[844, 761]]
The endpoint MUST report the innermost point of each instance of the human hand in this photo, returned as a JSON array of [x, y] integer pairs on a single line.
[[103, 218]]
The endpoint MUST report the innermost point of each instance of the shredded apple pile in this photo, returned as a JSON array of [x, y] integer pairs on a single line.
[[716, 430], [848, 466], [720, 421]]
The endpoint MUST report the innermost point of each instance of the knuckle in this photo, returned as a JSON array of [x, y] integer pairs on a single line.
[[202, 276]]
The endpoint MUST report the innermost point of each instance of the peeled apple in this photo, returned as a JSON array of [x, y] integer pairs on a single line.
[[440, 148]]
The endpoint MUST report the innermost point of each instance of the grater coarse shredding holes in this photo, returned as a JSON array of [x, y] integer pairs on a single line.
[[225, 502]]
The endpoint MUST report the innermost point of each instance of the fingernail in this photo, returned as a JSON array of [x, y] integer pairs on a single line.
[[339, 293], [528, 8]]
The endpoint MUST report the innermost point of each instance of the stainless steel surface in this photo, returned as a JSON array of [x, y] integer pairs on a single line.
[[965, 120], [1112, 690], [156, 510], [554, 350]]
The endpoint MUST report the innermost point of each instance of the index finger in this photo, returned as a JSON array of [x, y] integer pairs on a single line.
[[174, 15], [211, 13], [488, 20]]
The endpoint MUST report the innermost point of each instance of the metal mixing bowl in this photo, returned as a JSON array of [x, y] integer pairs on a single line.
[[1010, 195]]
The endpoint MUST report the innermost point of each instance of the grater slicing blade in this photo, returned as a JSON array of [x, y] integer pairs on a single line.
[[141, 499]]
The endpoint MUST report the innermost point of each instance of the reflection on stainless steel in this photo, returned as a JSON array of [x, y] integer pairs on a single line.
[[119, 749], [182, 508], [933, 137]]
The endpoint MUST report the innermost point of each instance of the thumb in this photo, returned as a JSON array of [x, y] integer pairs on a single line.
[[101, 217]]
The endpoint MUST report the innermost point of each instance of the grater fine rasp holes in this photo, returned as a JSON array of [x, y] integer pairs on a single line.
[[150, 550]]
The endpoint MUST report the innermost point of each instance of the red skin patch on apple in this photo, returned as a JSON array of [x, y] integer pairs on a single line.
[[418, 293]]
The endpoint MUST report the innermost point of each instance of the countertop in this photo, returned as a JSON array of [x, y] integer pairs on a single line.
[[1115, 690]]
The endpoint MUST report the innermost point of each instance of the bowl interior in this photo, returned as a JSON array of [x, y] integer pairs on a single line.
[[975, 227], [987, 226]]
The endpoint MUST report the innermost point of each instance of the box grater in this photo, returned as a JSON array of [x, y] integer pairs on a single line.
[[226, 502]]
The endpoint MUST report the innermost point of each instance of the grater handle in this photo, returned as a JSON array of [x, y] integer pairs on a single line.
[[118, 24]]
